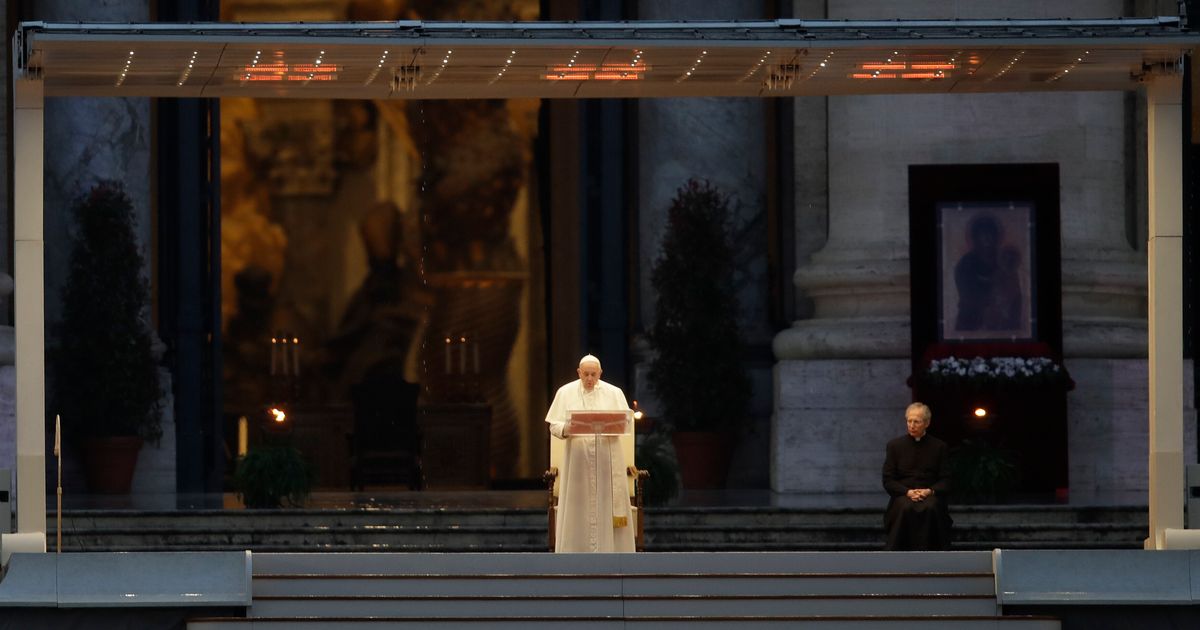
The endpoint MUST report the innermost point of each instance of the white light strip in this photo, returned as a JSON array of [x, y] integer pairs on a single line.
[[316, 63], [690, 71], [253, 64], [762, 60], [377, 68], [821, 65], [1071, 66], [507, 64], [187, 72], [125, 69], [438, 72], [1009, 66]]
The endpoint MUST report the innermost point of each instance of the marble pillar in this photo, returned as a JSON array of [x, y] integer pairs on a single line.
[[855, 288], [8, 384], [1107, 433], [723, 141], [88, 139]]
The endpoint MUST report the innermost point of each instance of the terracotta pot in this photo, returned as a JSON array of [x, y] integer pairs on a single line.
[[703, 458], [109, 463]]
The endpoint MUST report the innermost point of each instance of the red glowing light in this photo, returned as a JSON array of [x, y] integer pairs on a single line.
[[279, 71], [616, 76]]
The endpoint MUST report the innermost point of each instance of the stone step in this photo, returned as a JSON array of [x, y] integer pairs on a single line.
[[622, 622], [665, 517], [432, 607], [627, 566], [959, 584], [844, 590], [719, 529]]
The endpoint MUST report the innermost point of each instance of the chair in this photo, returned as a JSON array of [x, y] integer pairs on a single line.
[[635, 477], [386, 444]]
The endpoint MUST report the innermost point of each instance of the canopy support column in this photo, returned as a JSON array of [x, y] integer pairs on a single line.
[[1165, 267], [29, 302]]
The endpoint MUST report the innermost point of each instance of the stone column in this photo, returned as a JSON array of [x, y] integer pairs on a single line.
[[859, 334], [723, 141]]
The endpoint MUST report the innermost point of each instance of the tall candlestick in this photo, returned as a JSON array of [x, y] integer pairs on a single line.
[[57, 436], [475, 355], [462, 356], [274, 354], [447, 355], [243, 436], [295, 356]]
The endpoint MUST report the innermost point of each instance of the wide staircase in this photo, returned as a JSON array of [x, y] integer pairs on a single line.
[[890, 591], [523, 530]]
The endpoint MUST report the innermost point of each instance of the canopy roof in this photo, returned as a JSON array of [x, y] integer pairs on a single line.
[[375, 60]]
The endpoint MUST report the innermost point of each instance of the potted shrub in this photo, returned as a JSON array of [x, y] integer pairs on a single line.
[[697, 370], [106, 375], [273, 476]]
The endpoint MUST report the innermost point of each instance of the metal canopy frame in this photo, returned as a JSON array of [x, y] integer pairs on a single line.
[[782, 58]]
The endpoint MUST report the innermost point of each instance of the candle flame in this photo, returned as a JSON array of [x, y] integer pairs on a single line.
[[278, 414]]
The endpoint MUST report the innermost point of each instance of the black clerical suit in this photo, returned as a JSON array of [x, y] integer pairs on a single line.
[[912, 463]]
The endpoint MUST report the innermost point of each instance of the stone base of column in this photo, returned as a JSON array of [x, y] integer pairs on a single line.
[[1108, 429], [154, 476], [831, 421]]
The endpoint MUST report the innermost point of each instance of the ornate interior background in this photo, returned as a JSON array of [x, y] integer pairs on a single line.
[[374, 231]]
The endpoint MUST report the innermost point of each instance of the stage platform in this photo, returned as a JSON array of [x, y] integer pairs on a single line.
[[1009, 589], [515, 521]]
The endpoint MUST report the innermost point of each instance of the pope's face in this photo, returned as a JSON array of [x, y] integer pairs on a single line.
[[589, 373], [917, 424]]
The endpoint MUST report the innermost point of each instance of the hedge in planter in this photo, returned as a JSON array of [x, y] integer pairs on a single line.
[[697, 370], [105, 374]]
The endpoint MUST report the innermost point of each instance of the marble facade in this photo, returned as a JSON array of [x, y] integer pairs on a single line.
[[855, 288]]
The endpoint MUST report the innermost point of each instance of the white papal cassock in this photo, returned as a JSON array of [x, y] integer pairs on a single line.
[[593, 497]]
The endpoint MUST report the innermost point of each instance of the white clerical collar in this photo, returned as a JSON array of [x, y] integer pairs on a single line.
[[918, 439]]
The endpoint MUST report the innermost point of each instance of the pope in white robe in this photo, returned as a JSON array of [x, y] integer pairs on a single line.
[[594, 513]]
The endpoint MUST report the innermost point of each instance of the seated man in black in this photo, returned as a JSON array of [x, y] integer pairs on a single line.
[[916, 473]]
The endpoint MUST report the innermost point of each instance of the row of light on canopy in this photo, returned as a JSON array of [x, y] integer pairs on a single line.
[[775, 73]]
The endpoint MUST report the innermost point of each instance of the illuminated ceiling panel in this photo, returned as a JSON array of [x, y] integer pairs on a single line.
[[416, 60]]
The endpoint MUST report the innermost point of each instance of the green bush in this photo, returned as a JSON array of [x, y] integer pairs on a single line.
[[697, 370], [654, 455], [106, 377], [273, 476], [981, 473]]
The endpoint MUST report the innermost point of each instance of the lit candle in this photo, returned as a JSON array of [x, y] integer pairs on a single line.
[[243, 436], [284, 362], [274, 354], [462, 356], [447, 355], [296, 356]]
